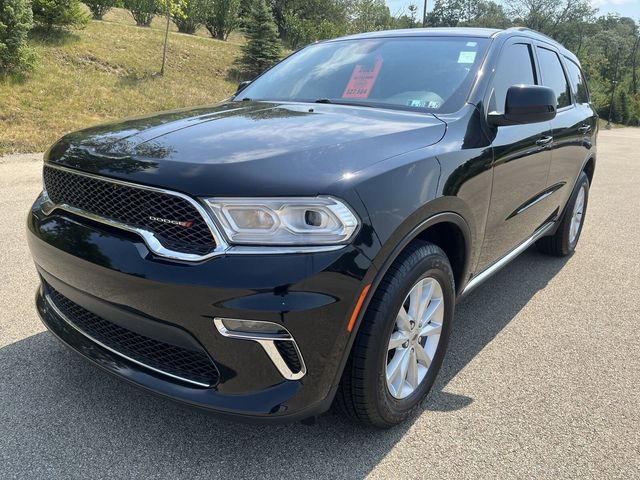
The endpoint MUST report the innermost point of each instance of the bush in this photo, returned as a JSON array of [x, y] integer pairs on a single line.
[[100, 7], [191, 17], [16, 19], [221, 17], [58, 13], [142, 11], [263, 47]]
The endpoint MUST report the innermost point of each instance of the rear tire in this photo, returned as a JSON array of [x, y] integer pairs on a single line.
[[563, 242], [409, 316]]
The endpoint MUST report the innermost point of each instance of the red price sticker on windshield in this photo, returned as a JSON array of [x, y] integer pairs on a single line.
[[362, 79]]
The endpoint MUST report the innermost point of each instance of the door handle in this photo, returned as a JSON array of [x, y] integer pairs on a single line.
[[542, 141], [584, 129]]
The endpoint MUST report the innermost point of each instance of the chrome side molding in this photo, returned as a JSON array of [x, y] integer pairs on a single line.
[[499, 264]]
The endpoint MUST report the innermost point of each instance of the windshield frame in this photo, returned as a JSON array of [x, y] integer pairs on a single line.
[[467, 86]]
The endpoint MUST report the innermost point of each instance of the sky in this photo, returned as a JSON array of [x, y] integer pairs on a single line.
[[626, 8]]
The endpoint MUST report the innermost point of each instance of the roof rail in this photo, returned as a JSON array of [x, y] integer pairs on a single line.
[[531, 30]]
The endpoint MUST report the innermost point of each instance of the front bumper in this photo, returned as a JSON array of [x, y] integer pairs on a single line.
[[114, 276]]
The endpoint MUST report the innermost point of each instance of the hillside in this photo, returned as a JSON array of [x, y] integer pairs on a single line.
[[108, 71]]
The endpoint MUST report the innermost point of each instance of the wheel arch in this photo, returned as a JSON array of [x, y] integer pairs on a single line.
[[589, 168], [434, 227]]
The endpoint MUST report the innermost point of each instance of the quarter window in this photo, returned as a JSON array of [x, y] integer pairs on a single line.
[[578, 82], [553, 76], [515, 68]]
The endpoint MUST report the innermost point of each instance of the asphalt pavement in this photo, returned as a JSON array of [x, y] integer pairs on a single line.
[[542, 378]]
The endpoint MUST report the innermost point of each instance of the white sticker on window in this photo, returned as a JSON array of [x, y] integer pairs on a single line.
[[467, 57], [471, 44]]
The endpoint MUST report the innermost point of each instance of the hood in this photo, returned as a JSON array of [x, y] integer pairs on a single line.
[[247, 148]]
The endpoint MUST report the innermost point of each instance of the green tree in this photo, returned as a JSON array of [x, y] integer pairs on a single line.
[[99, 8], [58, 14], [370, 15], [564, 20], [170, 8], [313, 18], [142, 11], [191, 16], [221, 17], [302, 31], [16, 19], [263, 47], [468, 13]]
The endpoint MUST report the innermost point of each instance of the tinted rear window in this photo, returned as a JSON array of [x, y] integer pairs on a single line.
[[578, 82], [553, 76]]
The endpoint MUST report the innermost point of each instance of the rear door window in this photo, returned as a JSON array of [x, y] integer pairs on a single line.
[[577, 81], [553, 76]]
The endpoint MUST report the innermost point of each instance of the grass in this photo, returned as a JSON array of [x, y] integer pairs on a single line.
[[109, 70]]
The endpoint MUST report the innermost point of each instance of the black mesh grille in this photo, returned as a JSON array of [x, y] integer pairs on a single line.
[[289, 354], [133, 206], [187, 364]]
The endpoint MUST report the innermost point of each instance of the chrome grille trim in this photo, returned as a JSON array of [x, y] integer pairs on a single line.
[[150, 239], [152, 242]]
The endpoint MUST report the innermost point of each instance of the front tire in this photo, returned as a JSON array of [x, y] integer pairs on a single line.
[[563, 242], [402, 340]]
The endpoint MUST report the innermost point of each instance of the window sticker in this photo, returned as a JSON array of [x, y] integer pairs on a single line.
[[433, 104], [362, 79], [467, 57], [471, 44]]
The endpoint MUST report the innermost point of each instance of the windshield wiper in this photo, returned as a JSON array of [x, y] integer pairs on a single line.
[[341, 102]]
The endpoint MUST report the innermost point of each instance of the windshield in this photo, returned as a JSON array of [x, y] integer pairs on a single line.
[[433, 74]]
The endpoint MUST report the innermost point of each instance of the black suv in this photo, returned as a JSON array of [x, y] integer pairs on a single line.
[[307, 239]]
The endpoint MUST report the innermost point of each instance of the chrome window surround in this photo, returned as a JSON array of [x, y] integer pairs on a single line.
[[151, 241], [267, 342], [116, 352]]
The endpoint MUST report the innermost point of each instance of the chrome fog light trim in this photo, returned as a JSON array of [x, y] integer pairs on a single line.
[[266, 334]]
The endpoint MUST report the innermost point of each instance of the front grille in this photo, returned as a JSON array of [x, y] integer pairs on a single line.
[[195, 366], [133, 206], [289, 355]]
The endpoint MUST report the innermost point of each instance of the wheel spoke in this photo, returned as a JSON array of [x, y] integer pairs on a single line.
[[415, 296], [402, 320], [404, 368], [427, 293], [397, 339], [394, 367], [432, 328], [422, 356], [433, 307], [412, 372]]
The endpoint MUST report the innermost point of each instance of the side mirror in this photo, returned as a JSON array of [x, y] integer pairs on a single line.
[[526, 104], [242, 86]]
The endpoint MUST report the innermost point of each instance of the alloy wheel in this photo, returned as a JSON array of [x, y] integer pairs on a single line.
[[576, 218], [415, 337]]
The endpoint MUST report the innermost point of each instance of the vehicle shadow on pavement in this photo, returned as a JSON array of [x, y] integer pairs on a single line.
[[62, 418], [481, 315]]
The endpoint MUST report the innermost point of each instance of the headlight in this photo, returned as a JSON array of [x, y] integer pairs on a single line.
[[284, 221]]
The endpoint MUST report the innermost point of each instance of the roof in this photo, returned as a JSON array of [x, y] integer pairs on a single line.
[[459, 32], [427, 32]]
